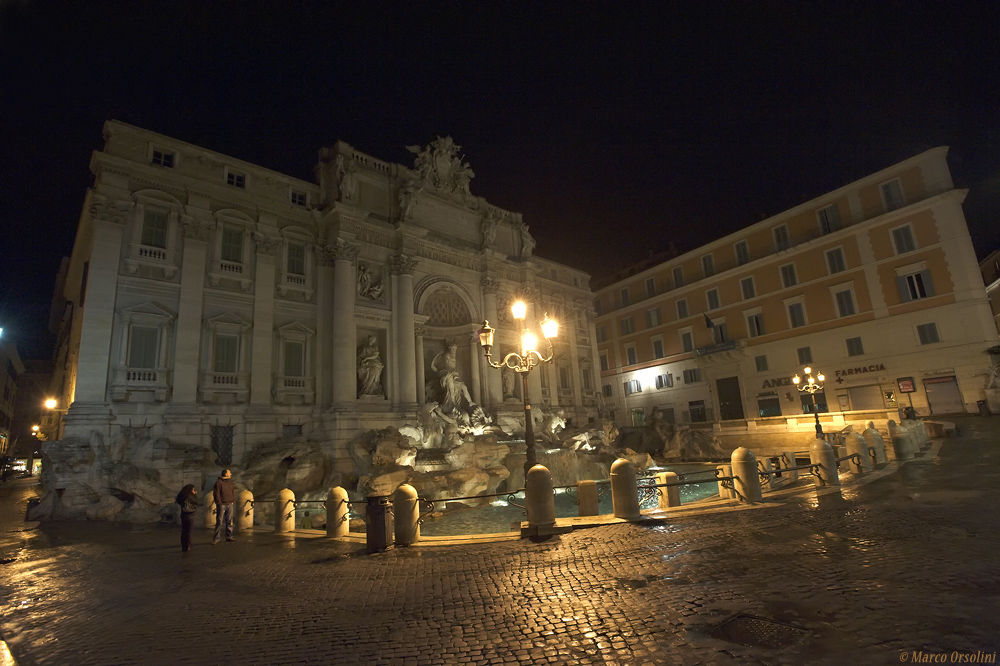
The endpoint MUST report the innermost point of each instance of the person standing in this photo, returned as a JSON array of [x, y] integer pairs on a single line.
[[188, 499], [224, 493]]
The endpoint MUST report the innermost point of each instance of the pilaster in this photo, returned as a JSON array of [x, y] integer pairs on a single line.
[[262, 336], [189, 310], [344, 335]]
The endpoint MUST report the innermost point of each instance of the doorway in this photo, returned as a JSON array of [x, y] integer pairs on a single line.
[[730, 398]]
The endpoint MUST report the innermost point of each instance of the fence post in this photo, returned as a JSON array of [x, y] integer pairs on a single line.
[[747, 481], [624, 493], [821, 453], [668, 496], [337, 522], [874, 440], [406, 514], [284, 511], [539, 498], [244, 511], [724, 492], [586, 497]]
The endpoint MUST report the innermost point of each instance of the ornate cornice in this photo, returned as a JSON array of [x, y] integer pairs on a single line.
[[343, 250], [489, 285], [402, 265]]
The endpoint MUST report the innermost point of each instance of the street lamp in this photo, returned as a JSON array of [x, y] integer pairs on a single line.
[[812, 387], [522, 363]]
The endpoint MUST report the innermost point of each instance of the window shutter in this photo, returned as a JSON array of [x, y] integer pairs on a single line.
[[928, 282], [904, 289]]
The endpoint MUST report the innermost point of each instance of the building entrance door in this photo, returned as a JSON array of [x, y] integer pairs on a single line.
[[730, 399], [943, 396]]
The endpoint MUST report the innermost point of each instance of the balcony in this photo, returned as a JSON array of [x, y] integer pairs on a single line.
[[293, 390], [225, 386], [151, 257], [127, 381], [722, 351]]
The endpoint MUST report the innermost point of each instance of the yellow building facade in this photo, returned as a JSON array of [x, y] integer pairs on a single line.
[[875, 284]]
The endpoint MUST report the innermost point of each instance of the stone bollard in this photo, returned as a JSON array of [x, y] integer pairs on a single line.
[[747, 481], [821, 453], [901, 445], [539, 497], [668, 497], [724, 492], [337, 522], [406, 513], [284, 511], [624, 493], [874, 440], [210, 510], [856, 444], [788, 460], [586, 498], [244, 511]]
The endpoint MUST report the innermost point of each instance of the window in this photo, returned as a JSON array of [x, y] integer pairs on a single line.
[[222, 444], [226, 353], [845, 303], [602, 333], [623, 296], [658, 349], [761, 363], [627, 325], [742, 253], [163, 159], [154, 228], [914, 286], [768, 405], [236, 179], [693, 375], [682, 308], [687, 342], [678, 276], [294, 359], [747, 287], [607, 390], [296, 263], [788, 277], [928, 334], [588, 378], [298, 198], [633, 386], [653, 317], [854, 347], [902, 239], [805, 355], [892, 195], [664, 381], [835, 260], [630, 355], [564, 377], [143, 347], [755, 325], [829, 219], [232, 244], [650, 287], [697, 412], [708, 265], [781, 239], [604, 362], [712, 296], [719, 332], [796, 315]]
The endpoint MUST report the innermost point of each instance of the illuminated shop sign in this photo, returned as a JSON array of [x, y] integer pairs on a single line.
[[874, 367]]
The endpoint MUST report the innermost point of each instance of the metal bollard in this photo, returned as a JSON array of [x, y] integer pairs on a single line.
[[337, 507], [406, 515], [244, 511], [901, 447], [668, 497], [378, 534], [586, 497], [747, 481], [724, 492], [821, 453], [209, 510], [874, 440], [624, 493], [284, 511], [539, 497], [856, 444]]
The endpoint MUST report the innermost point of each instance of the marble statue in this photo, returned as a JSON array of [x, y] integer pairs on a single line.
[[346, 172], [440, 165], [454, 392], [507, 379], [527, 242], [370, 369], [368, 286], [488, 227]]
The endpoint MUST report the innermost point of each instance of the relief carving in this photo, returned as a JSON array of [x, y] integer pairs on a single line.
[[440, 166]]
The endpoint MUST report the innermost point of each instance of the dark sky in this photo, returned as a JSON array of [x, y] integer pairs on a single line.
[[616, 128]]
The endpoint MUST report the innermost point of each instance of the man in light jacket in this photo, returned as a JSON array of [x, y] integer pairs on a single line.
[[224, 493]]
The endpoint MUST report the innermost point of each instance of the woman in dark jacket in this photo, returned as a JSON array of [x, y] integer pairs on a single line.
[[188, 499]]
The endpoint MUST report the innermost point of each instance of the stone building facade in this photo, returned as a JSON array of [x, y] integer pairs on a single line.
[[218, 304], [874, 284]]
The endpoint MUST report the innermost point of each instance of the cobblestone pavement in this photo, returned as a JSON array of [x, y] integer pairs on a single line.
[[877, 573]]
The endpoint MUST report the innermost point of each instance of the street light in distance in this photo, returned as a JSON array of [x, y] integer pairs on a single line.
[[812, 386]]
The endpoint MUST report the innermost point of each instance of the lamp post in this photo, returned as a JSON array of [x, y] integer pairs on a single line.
[[522, 363], [812, 387]]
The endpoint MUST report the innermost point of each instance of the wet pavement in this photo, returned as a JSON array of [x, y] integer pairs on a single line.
[[899, 569]]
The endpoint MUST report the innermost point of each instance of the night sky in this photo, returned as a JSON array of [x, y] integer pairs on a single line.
[[616, 128]]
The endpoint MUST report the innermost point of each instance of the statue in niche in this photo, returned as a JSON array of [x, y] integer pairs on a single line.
[[527, 242], [370, 369], [455, 398], [488, 227], [368, 286], [408, 198], [348, 179], [507, 379]]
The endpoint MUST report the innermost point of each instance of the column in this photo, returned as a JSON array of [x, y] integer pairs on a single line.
[[402, 268], [344, 338], [189, 310], [574, 362], [494, 380], [322, 371], [474, 361], [262, 333], [421, 379]]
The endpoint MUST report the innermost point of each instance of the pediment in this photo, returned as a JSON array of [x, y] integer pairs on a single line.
[[229, 318], [295, 327], [148, 308]]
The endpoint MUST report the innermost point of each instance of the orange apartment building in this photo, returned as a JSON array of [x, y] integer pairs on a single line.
[[875, 284]]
